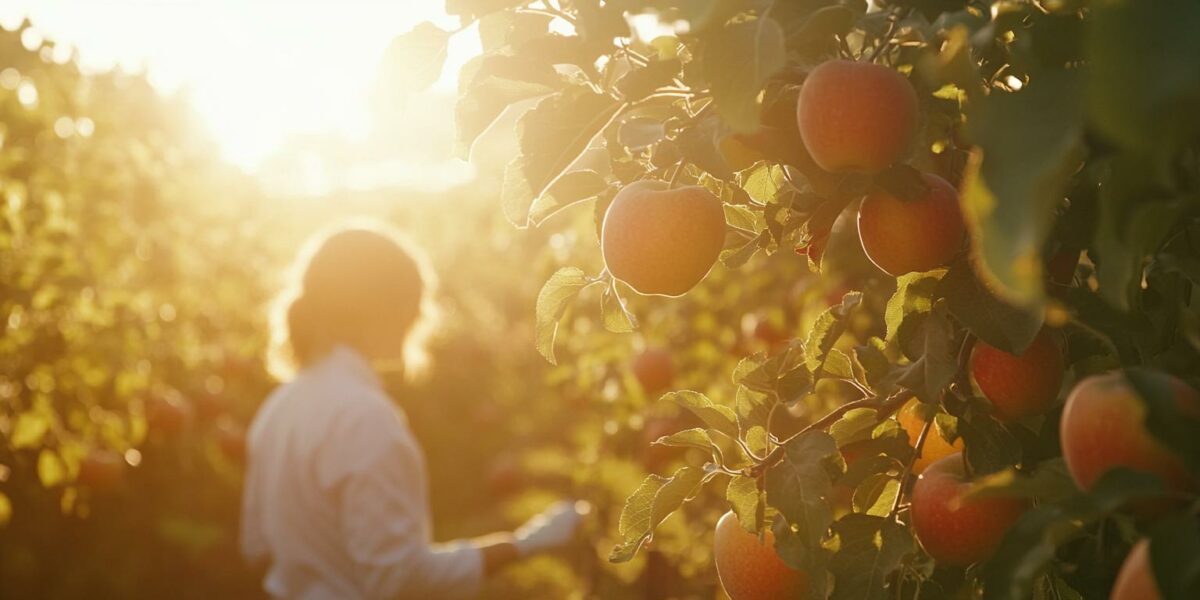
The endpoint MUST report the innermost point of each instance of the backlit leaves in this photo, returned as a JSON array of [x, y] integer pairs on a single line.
[[653, 502]]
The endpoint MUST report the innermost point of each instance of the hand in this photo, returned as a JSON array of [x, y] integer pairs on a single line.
[[554, 527]]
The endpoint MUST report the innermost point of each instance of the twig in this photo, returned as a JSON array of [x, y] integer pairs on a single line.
[[884, 407], [904, 477], [679, 169], [887, 35]]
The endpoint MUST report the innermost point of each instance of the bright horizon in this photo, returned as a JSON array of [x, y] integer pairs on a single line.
[[257, 72]]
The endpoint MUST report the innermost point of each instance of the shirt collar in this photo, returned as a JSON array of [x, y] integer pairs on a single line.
[[351, 362]]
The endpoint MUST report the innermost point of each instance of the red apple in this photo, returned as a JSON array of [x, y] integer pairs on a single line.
[[903, 236], [654, 369], [1136, 580], [750, 569], [662, 241], [1103, 426], [952, 529], [1020, 386], [857, 116]]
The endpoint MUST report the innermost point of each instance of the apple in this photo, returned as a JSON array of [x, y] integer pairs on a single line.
[[1020, 386], [936, 447], [952, 529], [857, 117], [1103, 426], [654, 369], [750, 569], [661, 240], [1135, 580], [903, 236], [101, 470], [169, 414]]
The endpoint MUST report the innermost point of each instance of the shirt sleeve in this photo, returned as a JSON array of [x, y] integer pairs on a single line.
[[251, 539], [385, 516]]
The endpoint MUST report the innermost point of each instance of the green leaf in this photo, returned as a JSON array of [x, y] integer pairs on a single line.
[[570, 189], [753, 411], [1049, 482], [837, 364], [557, 294], [1052, 587], [746, 500], [1176, 428], [642, 81], [649, 505], [914, 295], [764, 183], [414, 60], [488, 85], [825, 332], [1033, 541], [1175, 556], [855, 425], [616, 316], [1006, 326], [551, 136], [871, 549], [50, 468], [29, 430], [689, 438], [715, 416], [1029, 144], [737, 62], [935, 364], [876, 494], [989, 446], [1150, 109], [734, 258], [871, 366], [797, 487]]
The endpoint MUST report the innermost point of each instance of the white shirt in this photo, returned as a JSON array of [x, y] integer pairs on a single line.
[[336, 498]]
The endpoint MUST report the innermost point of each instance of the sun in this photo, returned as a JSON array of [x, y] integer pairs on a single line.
[[257, 72]]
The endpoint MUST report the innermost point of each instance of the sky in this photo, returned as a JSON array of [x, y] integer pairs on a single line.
[[258, 72]]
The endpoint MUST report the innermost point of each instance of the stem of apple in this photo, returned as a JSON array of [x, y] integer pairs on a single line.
[[904, 477]]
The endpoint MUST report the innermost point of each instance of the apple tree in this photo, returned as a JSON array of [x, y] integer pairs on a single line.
[[997, 395]]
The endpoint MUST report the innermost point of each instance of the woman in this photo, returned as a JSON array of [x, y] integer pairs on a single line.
[[335, 502]]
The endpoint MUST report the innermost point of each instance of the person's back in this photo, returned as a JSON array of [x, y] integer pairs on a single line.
[[335, 502]]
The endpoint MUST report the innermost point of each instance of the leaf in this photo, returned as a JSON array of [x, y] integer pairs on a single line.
[[746, 500], [695, 437], [50, 468], [876, 494], [487, 86], [649, 505], [715, 416], [914, 294], [989, 446], [827, 329], [753, 411], [737, 61], [29, 430], [570, 189], [551, 136], [837, 364], [698, 143], [477, 8], [5, 509], [1050, 482], [642, 81], [557, 294], [1032, 542], [871, 366], [1052, 587], [935, 364], [1175, 426], [616, 316], [855, 425], [1028, 145], [734, 258], [1006, 326], [1152, 110], [414, 60], [797, 487], [871, 549], [1175, 556]]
